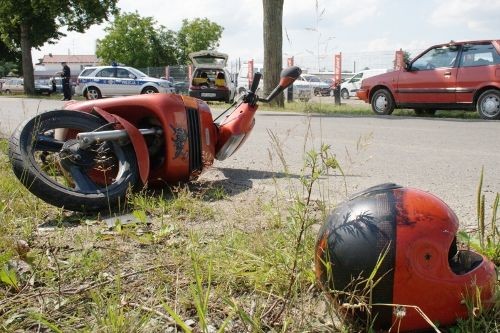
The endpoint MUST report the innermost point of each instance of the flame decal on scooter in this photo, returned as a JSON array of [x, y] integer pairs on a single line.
[[179, 138]]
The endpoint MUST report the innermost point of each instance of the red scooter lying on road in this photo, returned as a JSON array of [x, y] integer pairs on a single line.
[[87, 156]]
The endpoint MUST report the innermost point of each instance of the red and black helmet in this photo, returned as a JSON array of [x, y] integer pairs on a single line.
[[415, 234]]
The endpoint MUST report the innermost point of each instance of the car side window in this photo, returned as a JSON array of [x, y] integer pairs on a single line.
[[438, 57], [106, 72], [122, 73], [479, 55]]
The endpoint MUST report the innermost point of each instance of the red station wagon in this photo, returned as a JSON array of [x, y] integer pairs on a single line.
[[457, 75]]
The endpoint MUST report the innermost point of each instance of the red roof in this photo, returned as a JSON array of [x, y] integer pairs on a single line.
[[80, 59]]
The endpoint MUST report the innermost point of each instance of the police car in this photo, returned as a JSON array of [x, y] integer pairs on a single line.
[[101, 81]]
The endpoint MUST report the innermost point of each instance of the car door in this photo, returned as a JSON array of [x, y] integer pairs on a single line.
[[479, 66], [355, 84], [430, 78], [17, 86], [105, 81], [125, 82]]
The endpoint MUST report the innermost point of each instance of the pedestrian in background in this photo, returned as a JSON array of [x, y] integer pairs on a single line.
[[66, 75]]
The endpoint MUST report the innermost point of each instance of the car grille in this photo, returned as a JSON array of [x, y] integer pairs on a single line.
[[195, 162]]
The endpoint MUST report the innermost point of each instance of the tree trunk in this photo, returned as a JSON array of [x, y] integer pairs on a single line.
[[273, 41], [29, 81]]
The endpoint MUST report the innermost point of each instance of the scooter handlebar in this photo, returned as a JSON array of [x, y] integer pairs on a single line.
[[255, 83]]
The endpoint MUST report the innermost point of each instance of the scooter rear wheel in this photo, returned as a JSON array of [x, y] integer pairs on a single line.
[[64, 174]]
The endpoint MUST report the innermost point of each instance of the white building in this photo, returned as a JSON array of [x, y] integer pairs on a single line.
[[50, 64]]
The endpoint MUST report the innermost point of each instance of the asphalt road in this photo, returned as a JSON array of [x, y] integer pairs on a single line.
[[443, 156]]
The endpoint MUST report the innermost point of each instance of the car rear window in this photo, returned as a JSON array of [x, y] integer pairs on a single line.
[[86, 72], [479, 55]]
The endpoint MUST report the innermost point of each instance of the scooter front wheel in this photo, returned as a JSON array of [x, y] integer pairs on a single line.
[[48, 159]]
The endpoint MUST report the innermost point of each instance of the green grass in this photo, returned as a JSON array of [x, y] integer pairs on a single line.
[[328, 108], [197, 258]]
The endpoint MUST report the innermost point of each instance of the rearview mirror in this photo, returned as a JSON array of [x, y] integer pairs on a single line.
[[288, 76]]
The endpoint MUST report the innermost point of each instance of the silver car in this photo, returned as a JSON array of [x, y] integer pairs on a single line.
[[101, 81]]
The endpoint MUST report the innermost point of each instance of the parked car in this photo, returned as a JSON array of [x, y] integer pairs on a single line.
[[211, 81], [100, 81], [243, 80], [302, 92], [13, 86], [319, 87], [349, 87], [456, 75], [16, 86], [59, 86]]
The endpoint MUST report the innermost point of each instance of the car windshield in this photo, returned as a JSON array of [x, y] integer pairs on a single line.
[[443, 56], [312, 79], [137, 72]]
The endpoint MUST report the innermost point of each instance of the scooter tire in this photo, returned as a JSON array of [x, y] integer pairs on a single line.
[[26, 145]]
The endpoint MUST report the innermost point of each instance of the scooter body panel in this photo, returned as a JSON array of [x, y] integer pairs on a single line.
[[189, 135]]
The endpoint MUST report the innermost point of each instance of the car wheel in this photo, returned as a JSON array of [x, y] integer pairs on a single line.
[[421, 112], [344, 94], [488, 104], [382, 102], [149, 90], [93, 93], [7, 91]]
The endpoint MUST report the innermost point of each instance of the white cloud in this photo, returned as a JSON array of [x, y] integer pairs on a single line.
[[478, 15], [355, 12]]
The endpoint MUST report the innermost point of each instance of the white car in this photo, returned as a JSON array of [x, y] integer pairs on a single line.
[[349, 87], [243, 79], [211, 81], [319, 87], [100, 81]]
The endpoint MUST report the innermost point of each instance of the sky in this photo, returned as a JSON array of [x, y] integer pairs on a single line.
[[367, 32]]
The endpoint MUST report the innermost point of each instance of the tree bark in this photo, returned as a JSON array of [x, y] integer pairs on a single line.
[[273, 42], [29, 81]]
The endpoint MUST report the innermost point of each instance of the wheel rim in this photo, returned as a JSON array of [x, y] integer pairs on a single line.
[[97, 169], [381, 103], [150, 91], [490, 105], [345, 94], [92, 94]]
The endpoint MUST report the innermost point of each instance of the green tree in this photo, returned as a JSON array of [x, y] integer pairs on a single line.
[[273, 41], [9, 60], [406, 58], [32, 23], [136, 41], [196, 35]]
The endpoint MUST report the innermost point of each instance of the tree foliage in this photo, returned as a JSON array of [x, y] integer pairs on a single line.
[[136, 41], [196, 35], [9, 59], [139, 41], [27, 24]]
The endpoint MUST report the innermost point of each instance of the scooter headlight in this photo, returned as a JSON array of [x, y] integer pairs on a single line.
[[230, 146]]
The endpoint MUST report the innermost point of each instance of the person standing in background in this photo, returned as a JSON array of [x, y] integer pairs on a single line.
[[66, 75]]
